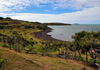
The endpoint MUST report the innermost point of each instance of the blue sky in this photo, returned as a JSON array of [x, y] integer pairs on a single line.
[[66, 11]]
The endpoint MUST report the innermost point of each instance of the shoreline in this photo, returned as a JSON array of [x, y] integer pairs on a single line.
[[43, 35]]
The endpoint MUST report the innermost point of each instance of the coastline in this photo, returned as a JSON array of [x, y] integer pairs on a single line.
[[43, 35]]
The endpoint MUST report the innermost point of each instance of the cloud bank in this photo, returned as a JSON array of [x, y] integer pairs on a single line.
[[83, 16]]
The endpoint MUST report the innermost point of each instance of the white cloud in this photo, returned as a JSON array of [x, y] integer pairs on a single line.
[[77, 4], [9, 5], [82, 1], [90, 10], [86, 15], [47, 10]]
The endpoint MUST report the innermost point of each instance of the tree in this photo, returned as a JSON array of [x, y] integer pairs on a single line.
[[1, 18], [85, 41]]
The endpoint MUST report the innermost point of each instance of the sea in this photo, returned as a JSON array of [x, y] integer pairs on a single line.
[[65, 32]]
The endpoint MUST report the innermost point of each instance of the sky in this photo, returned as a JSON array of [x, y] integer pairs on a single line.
[[64, 11]]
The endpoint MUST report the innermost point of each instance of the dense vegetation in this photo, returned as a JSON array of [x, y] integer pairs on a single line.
[[87, 43], [18, 35]]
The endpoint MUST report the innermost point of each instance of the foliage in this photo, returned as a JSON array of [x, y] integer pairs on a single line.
[[2, 62], [85, 42], [1, 18]]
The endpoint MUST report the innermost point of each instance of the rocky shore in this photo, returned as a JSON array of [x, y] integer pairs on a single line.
[[43, 35]]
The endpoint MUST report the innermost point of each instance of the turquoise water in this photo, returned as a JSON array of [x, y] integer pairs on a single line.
[[65, 32]]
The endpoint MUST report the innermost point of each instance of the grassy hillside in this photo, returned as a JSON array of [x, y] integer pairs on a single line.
[[17, 32], [21, 50], [20, 61]]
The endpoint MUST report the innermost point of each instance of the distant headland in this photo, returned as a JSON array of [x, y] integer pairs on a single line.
[[56, 23]]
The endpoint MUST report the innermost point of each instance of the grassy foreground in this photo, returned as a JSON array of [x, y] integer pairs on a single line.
[[21, 61]]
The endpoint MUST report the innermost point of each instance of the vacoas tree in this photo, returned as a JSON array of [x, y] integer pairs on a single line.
[[78, 41], [85, 41]]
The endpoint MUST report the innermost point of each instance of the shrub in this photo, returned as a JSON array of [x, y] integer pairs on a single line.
[[91, 61], [2, 62], [1, 18], [79, 58]]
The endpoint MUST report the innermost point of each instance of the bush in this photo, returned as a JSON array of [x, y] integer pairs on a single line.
[[79, 58], [2, 62], [1, 18], [91, 61], [7, 46]]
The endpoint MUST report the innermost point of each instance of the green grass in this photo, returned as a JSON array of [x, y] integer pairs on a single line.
[[27, 34]]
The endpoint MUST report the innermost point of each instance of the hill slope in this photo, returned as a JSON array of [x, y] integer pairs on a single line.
[[20, 61]]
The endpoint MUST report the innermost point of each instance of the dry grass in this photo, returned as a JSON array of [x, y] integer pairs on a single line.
[[20, 61], [17, 62]]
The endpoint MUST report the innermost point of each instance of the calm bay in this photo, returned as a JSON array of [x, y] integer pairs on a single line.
[[64, 32]]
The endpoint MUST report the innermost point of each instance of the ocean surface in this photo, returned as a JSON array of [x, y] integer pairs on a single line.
[[65, 32]]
